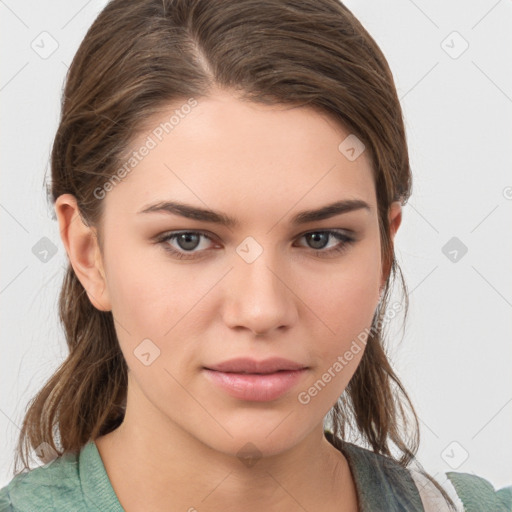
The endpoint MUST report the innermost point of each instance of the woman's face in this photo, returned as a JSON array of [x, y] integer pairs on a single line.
[[273, 283]]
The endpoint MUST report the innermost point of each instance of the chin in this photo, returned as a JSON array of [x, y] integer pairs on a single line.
[[253, 442]]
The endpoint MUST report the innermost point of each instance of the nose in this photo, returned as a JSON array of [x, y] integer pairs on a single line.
[[259, 298]]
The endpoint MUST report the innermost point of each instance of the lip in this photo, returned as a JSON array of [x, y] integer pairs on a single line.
[[256, 381], [248, 365]]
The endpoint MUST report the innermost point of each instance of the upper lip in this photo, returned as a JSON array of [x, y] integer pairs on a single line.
[[247, 365]]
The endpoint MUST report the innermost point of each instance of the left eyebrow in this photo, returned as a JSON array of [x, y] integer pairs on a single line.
[[216, 217], [331, 210]]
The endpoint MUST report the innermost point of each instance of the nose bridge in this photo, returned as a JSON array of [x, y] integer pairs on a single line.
[[258, 299]]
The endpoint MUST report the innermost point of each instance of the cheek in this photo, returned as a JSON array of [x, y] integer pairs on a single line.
[[345, 300], [153, 304], [344, 297], [141, 281], [148, 292]]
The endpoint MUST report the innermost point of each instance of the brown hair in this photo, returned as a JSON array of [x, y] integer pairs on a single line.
[[139, 56]]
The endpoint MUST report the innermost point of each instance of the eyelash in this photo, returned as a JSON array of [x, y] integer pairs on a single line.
[[345, 240]]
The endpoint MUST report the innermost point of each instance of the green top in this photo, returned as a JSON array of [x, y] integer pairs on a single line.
[[72, 482], [79, 482]]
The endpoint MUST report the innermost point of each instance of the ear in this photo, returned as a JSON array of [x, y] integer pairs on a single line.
[[394, 219], [84, 254]]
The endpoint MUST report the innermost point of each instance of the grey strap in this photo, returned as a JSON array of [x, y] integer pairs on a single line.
[[382, 484]]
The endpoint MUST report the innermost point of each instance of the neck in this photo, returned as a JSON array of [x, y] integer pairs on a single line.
[[156, 465]]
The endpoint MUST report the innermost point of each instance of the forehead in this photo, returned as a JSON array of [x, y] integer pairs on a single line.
[[221, 150]]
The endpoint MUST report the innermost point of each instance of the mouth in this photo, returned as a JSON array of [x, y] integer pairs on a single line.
[[255, 381], [246, 365]]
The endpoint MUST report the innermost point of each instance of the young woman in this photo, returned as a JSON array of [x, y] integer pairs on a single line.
[[228, 179]]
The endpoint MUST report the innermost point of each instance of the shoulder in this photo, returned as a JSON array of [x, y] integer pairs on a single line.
[[45, 488], [469, 492], [431, 497], [379, 477], [381, 482], [477, 493]]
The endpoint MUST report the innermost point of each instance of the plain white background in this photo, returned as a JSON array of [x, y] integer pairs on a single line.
[[452, 67]]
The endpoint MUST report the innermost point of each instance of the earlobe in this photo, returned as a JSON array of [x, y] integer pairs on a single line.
[[83, 251]]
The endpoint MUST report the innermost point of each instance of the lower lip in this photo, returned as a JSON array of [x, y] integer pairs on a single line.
[[256, 387]]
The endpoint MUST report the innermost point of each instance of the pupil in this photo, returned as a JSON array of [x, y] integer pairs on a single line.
[[185, 239], [319, 240]]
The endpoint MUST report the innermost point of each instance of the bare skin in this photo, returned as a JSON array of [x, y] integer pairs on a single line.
[[178, 447]]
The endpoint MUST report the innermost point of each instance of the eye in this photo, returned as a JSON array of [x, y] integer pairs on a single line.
[[318, 241], [187, 244]]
